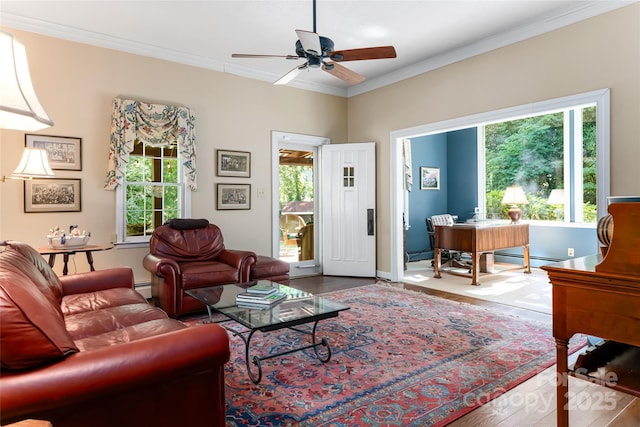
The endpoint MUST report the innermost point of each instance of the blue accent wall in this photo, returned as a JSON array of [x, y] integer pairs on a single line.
[[462, 173], [430, 151], [456, 154]]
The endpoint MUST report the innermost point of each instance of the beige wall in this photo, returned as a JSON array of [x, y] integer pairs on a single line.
[[602, 52], [76, 84]]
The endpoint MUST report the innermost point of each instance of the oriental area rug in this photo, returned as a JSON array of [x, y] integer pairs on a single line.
[[399, 358]]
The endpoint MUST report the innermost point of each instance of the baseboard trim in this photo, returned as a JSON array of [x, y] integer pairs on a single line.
[[144, 288]]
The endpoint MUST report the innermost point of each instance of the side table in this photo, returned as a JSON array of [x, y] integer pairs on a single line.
[[45, 250]]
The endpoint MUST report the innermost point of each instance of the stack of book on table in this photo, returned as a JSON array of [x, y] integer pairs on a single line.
[[259, 297]]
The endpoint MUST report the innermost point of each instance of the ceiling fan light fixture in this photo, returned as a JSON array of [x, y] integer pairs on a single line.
[[316, 49], [314, 62]]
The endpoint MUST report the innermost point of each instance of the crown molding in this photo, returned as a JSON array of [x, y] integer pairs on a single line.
[[575, 12]]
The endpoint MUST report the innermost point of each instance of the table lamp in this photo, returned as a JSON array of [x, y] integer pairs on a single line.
[[514, 196]]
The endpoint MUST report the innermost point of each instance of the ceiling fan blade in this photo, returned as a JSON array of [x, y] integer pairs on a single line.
[[249, 55], [343, 73], [291, 74], [310, 42], [379, 52]]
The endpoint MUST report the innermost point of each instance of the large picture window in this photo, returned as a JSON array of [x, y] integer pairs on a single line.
[[543, 153]]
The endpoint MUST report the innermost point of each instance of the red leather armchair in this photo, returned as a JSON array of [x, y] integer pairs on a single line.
[[189, 254], [88, 350]]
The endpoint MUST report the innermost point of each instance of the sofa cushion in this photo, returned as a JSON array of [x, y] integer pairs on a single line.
[[130, 333], [97, 322], [196, 244], [107, 298], [21, 257], [199, 274], [32, 330]]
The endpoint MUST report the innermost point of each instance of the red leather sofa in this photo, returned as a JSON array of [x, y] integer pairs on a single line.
[[88, 350], [190, 254]]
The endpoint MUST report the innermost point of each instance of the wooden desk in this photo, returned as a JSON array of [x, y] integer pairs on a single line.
[[46, 250], [603, 304], [478, 238]]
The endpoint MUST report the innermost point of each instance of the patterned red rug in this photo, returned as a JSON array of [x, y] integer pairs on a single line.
[[399, 358]]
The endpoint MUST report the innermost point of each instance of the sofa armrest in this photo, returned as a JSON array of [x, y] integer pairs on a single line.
[[161, 267], [118, 277], [99, 374], [241, 260]]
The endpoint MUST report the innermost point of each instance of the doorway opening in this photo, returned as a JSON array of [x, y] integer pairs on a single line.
[[296, 205], [296, 202], [599, 98]]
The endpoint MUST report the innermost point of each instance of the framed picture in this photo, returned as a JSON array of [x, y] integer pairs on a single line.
[[234, 196], [429, 178], [63, 152], [52, 195], [234, 163]]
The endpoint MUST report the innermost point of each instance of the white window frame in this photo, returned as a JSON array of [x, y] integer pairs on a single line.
[[184, 207], [572, 159]]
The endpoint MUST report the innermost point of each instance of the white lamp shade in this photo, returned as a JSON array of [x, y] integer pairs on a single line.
[[514, 195], [556, 197], [34, 164], [19, 105]]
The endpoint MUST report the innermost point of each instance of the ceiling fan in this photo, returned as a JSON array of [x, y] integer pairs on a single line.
[[317, 50]]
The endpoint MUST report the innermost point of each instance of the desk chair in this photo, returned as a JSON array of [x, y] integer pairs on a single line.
[[449, 258]]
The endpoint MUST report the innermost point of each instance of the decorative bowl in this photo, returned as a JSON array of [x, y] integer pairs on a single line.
[[70, 242]]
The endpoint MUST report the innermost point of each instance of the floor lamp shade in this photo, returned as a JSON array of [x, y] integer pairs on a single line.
[[20, 108]]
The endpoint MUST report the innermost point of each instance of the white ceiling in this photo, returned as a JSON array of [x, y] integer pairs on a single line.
[[426, 34]]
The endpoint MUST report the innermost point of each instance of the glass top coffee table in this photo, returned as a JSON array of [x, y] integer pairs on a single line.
[[299, 308]]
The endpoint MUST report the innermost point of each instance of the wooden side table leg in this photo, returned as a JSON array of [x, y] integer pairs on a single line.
[[562, 382], [65, 269], [437, 258], [52, 260], [90, 260]]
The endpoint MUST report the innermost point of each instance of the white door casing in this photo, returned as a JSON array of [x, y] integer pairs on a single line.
[[302, 142]]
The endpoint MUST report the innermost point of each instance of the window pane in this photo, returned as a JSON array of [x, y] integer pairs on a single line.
[[170, 170], [589, 164], [170, 198], [528, 152]]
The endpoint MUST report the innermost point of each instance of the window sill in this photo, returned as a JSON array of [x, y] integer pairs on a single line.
[[131, 245], [555, 224]]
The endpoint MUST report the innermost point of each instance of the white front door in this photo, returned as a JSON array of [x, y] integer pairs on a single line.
[[348, 209]]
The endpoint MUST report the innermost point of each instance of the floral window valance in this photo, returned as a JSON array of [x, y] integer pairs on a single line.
[[153, 124]]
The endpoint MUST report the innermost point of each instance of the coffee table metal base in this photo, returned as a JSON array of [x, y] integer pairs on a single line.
[[323, 356]]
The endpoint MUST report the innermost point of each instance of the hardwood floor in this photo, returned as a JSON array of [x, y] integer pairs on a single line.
[[533, 402]]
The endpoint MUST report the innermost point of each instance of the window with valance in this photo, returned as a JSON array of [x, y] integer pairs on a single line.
[[154, 125], [152, 165]]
